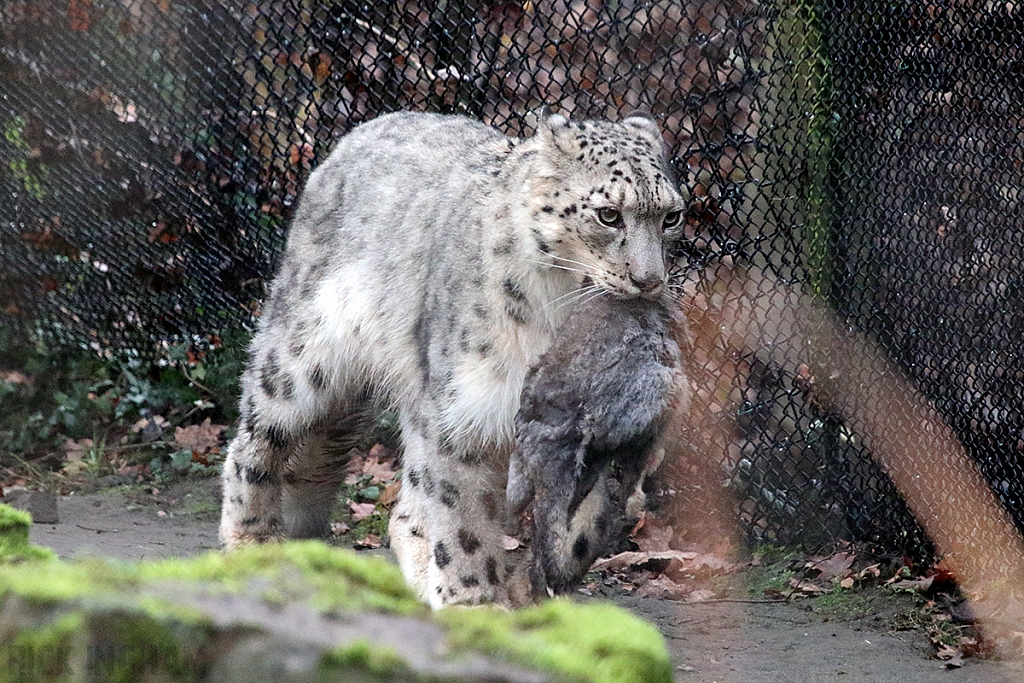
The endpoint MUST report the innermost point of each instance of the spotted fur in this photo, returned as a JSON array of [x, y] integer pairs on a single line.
[[430, 263]]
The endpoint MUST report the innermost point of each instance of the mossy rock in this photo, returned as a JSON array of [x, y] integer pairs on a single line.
[[14, 544], [300, 611]]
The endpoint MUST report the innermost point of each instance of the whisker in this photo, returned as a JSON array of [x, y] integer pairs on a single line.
[[566, 260], [598, 293], [569, 260], [681, 300], [565, 299], [560, 267]]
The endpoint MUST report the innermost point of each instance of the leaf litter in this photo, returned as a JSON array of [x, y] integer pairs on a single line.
[[661, 568], [371, 486]]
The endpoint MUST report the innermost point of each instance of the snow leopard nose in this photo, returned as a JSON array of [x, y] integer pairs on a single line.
[[647, 283]]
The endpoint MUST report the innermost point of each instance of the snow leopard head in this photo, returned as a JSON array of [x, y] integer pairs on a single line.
[[605, 202]]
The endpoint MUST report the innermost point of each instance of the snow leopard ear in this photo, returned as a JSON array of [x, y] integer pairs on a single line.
[[641, 118], [548, 121], [555, 137]]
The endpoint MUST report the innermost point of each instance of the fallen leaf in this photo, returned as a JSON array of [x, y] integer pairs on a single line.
[[76, 450], [951, 656], [379, 472], [834, 567], [873, 571], [354, 469], [653, 536], [806, 587], [134, 470], [968, 646], [390, 494], [200, 438], [700, 595], [361, 511], [339, 529], [847, 582], [922, 585], [15, 377], [662, 587], [692, 561], [368, 541], [150, 428]]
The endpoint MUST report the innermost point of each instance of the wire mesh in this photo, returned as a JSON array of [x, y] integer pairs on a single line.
[[868, 152]]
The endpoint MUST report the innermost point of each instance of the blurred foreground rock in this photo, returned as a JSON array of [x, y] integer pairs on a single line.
[[294, 612]]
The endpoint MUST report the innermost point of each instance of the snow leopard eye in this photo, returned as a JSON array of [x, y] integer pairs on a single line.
[[609, 216], [672, 219]]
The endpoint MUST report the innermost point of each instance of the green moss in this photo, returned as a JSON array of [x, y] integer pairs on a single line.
[[841, 605], [802, 119], [134, 623], [14, 545], [41, 655], [124, 646], [596, 642], [374, 659], [341, 579], [345, 580], [335, 579], [117, 646]]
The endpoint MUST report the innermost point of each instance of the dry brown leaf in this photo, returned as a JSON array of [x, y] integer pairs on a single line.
[[76, 450], [872, 571], [692, 561], [662, 587], [200, 438], [361, 511], [354, 469], [339, 528], [15, 377], [354, 464], [806, 587], [368, 541], [134, 470], [653, 536], [390, 494], [700, 595], [380, 472], [951, 656], [834, 567]]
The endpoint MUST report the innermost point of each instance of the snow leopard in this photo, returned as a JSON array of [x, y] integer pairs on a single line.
[[430, 262]]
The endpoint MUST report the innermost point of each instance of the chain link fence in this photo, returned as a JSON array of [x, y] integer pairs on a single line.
[[866, 151]]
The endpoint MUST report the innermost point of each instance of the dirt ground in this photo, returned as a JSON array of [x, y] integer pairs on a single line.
[[710, 642]]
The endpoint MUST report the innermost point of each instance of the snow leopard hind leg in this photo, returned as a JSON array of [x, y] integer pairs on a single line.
[[447, 527], [298, 420], [282, 476], [313, 478]]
